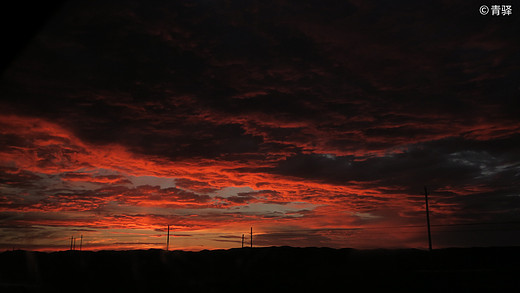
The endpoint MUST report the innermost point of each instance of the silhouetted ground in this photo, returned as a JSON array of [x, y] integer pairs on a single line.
[[278, 269]]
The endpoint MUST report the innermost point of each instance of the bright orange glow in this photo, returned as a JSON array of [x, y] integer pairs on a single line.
[[101, 189]]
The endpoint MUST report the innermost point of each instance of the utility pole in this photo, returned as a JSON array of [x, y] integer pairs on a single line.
[[80, 242], [74, 246], [428, 219], [71, 239], [242, 240], [251, 237], [168, 239]]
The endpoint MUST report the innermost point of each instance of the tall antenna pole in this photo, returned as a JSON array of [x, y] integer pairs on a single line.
[[242, 240], [80, 242], [168, 239], [71, 239], [251, 237], [74, 246], [428, 219]]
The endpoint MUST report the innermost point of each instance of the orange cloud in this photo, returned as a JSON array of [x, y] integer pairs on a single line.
[[51, 178]]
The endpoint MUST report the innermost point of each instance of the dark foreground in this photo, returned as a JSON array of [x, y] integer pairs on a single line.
[[273, 269]]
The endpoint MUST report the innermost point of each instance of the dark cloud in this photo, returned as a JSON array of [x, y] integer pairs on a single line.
[[14, 177], [127, 70], [99, 200], [261, 196], [453, 161], [195, 185]]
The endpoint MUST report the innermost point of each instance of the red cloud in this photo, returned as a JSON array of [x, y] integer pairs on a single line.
[[38, 154], [99, 179]]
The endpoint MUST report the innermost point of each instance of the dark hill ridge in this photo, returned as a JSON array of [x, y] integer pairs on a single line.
[[278, 269]]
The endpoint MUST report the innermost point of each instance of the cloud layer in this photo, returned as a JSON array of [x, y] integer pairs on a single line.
[[317, 123]]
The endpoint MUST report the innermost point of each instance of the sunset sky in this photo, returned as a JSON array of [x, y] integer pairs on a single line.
[[318, 123]]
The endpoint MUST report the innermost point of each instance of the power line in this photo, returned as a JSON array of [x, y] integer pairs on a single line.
[[428, 219], [360, 228]]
